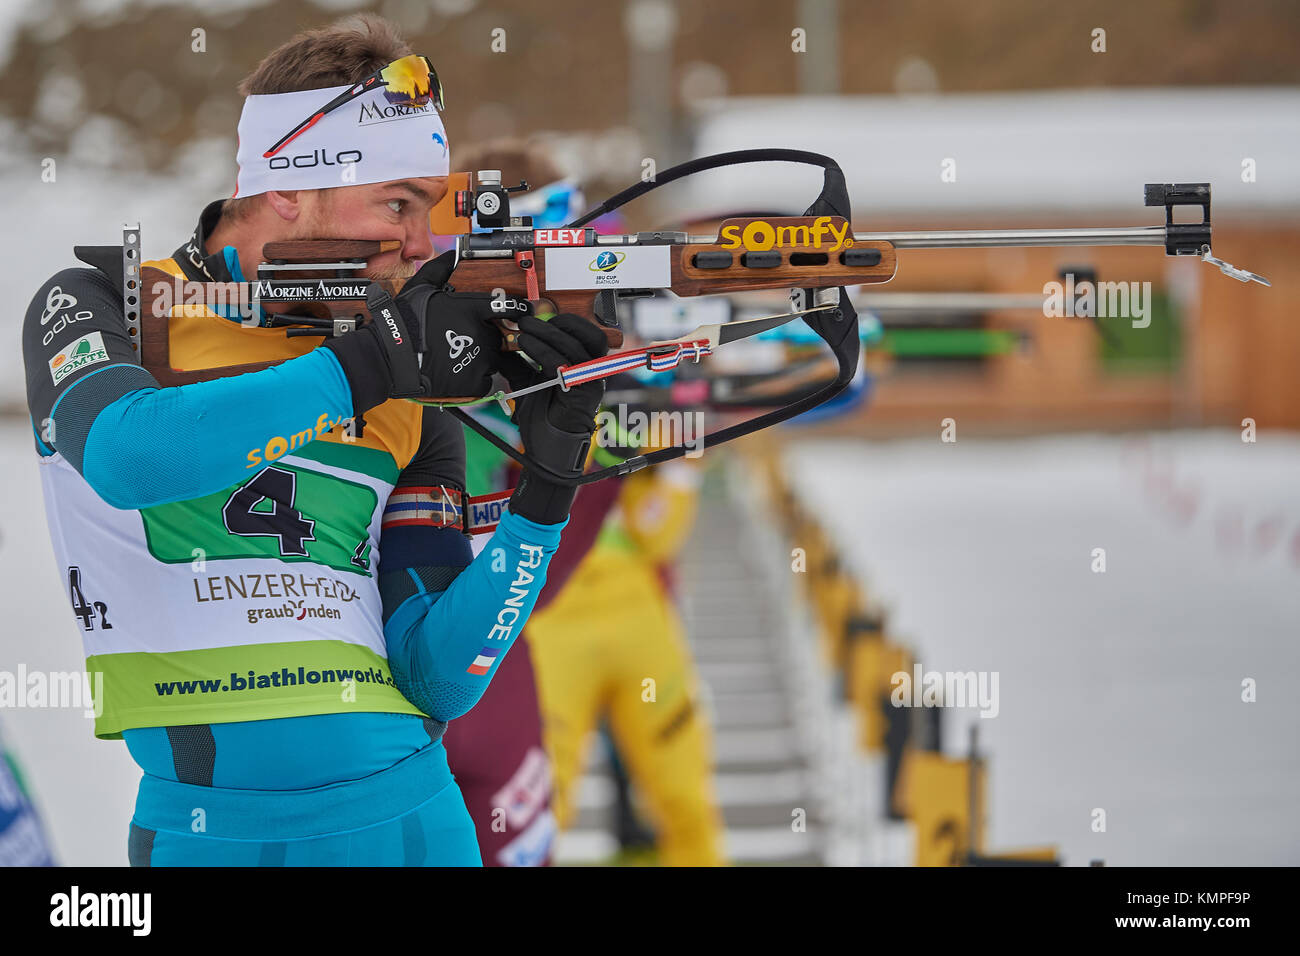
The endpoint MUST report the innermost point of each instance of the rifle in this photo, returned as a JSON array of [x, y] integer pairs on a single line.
[[574, 269]]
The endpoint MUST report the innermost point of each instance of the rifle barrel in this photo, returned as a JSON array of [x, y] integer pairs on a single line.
[[968, 238]]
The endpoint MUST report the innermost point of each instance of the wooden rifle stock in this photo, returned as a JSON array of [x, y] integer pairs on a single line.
[[320, 265]]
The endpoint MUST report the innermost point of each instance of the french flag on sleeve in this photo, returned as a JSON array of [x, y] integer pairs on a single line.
[[483, 663]]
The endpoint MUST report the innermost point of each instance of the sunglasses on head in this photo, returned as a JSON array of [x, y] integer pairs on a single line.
[[410, 81]]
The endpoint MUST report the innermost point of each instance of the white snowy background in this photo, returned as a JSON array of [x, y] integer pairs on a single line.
[[1122, 690]]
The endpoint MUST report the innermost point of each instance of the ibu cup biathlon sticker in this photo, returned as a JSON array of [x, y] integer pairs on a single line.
[[623, 267]]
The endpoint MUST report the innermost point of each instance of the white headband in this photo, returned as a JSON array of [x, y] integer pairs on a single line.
[[368, 140]]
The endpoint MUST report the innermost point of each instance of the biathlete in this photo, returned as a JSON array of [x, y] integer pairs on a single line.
[[284, 607]]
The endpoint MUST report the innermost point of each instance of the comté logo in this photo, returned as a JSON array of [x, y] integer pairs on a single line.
[[558, 237], [87, 350], [761, 235]]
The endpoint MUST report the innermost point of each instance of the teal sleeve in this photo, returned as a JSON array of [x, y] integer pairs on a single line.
[[449, 625], [155, 445]]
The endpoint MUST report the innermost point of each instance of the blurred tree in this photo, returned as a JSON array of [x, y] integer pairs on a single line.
[[516, 66]]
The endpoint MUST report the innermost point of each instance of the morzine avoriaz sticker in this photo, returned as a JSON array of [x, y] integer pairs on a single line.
[[615, 267]]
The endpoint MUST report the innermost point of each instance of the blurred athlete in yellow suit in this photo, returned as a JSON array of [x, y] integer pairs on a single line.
[[611, 645]]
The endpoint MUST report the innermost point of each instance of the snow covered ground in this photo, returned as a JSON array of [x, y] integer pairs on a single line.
[[1119, 690]]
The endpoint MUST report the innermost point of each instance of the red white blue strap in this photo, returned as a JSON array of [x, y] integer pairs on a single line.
[[657, 358], [483, 512], [440, 507]]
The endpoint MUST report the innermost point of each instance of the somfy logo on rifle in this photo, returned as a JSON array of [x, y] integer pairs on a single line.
[[761, 235]]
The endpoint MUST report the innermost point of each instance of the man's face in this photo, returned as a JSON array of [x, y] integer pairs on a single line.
[[398, 209]]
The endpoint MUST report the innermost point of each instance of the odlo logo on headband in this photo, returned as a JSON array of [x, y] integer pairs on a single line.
[[317, 157]]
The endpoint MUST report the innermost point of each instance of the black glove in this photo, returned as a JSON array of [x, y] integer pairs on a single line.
[[555, 426], [461, 345], [380, 360], [430, 343]]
